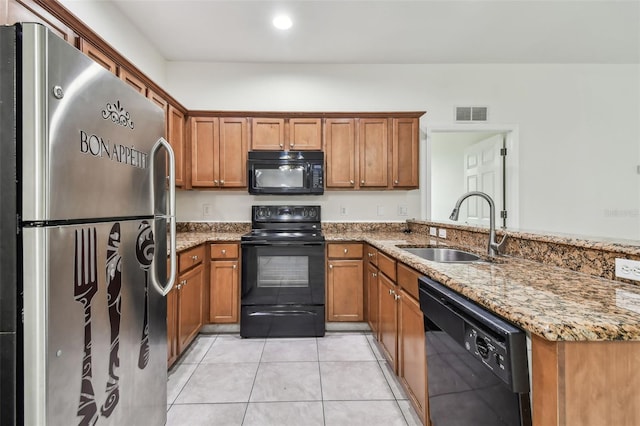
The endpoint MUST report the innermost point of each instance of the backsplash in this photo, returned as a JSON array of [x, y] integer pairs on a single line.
[[580, 255], [240, 227]]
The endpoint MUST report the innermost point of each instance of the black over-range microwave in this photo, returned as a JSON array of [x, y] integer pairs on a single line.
[[286, 172]]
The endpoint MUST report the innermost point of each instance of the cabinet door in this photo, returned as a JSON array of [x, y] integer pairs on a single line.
[[305, 134], [29, 11], [388, 318], [231, 161], [340, 153], [412, 364], [204, 151], [132, 81], [373, 144], [224, 295], [405, 155], [372, 299], [267, 133], [345, 290], [172, 326], [176, 139], [97, 55], [189, 306]]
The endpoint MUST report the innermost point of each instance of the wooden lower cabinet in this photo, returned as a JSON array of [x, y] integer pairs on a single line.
[[172, 326], [372, 298], [224, 299], [412, 367], [190, 285], [388, 319], [345, 290]]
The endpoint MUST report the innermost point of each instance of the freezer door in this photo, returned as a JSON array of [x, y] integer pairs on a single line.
[[94, 325], [87, 137]]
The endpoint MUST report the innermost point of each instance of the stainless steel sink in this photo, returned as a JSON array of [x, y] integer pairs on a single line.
[[445, 255]]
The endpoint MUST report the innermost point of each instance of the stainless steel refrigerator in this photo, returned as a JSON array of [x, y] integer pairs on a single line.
[[86, 188]]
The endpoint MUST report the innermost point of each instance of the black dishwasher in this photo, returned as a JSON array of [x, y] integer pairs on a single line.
[[477, 371]]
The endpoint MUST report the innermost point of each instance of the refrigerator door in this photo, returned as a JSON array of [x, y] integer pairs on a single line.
[[87, 138], [94, 325]]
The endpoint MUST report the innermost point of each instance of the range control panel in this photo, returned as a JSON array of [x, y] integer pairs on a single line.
[[285, 214]]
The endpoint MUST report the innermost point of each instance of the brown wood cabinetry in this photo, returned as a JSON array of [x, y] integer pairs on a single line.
[[224, 294], [189, 286], [289, 134], [218, 152], [388, 319], [31, 11], [404, 153], [132, 81], [371, 288], [172, 325], [97, 55], [373, 141], [177, 140], [345, 292], [340, 153]]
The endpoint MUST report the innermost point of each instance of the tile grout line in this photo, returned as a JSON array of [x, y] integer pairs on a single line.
[[324, 417], [244, 416]]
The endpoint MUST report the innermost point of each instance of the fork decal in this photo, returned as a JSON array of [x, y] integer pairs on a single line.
[[85, 287], [145, 247], [114, 284]]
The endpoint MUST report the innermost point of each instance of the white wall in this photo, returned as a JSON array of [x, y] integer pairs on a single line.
[[579, 131], [105, 19]]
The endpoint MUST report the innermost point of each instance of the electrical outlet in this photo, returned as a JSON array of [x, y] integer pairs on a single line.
[[403, 210], [206, 211], [343, 210], [629, 269], [442, 233], [433, 231], [380, 210]]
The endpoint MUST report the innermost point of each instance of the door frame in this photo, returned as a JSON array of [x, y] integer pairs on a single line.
[[512, 170]]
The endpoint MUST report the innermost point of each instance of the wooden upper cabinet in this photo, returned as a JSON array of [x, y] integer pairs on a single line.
[[177, 141], [97, 55], [305, 134], [232, 160], [30, 11], [405, 156], [163, 105], [132, 81], [219, 152], [373, 141], [287, 134], [267, 134], [340, 153]]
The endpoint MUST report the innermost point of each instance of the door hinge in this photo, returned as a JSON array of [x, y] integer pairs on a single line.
[[503, 152], [503, 214]]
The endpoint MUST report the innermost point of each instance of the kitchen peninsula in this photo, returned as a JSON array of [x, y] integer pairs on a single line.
[[585, 330]]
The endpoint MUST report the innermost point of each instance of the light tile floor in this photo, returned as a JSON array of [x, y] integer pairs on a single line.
[[340, 379]]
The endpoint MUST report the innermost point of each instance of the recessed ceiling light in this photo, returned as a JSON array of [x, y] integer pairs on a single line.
[[282, 22]]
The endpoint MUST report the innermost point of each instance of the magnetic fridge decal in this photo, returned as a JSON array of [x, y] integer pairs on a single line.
[[145, 248]]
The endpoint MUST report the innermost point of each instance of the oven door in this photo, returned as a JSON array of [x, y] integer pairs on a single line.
[[283, 273]]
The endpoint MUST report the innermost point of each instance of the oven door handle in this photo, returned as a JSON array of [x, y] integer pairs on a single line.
[[280, 243]]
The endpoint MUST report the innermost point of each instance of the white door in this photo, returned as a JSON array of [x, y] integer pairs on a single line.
[[483, 172]]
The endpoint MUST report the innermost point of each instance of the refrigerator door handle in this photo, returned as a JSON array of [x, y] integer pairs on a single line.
[[171, 278]]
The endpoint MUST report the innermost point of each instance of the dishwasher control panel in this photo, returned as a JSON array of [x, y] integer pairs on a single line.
[[489, 350]]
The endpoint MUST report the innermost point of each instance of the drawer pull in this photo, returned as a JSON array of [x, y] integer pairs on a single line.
[[345, 251], [222, 182], [396, 182], [396, 297], [223, 251], [179, 286], [362, 182], [330, 266], [235, 266], [195, 257], [215, 182], [352, 182], [373, 274]]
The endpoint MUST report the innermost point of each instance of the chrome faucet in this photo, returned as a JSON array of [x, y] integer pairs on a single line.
[[494, 247]]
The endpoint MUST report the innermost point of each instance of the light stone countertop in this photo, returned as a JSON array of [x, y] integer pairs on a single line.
[[555, 303]]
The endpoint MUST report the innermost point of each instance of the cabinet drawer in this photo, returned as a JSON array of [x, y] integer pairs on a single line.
[[345, 251], [190, 258], [371, 255], [387, 265], [224, 251], [408, 280]]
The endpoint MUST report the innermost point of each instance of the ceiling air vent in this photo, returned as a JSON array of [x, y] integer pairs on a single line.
[[471, 114]]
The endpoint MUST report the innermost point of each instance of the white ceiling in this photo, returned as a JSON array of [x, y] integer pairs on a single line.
[[391, 31]]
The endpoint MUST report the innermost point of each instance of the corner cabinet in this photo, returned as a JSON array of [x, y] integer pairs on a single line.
[[218, 152], [224, 292], [345, 291]]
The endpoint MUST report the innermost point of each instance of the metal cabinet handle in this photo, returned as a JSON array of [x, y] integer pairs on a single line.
[[179, 286], [291, 144], [362, 182], [352, 182], [194, 257], [185, 282], [395, 182], [345, 251], [223, 251], [281, 145], [235, 266], [330, 266], [373, 274], [396, 297], [215, 182], [222, 182]]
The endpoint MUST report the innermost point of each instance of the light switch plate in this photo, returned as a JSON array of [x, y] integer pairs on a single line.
[[433, 231], [206, 211], [629, 269]]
